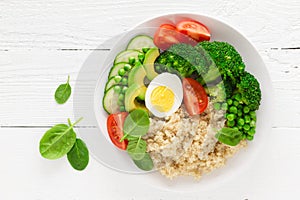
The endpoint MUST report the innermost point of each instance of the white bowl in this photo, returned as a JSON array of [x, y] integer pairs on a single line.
[[97, 68]]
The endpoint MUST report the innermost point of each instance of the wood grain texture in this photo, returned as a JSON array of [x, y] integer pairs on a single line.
[[28, 80], [67, 24], [42, 42], [32, 177]]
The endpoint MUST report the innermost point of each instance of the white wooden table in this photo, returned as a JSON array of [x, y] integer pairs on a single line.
[[41, 42]]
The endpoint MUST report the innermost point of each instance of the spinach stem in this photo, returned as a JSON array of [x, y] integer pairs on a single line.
[[81, 118], [68, 79], [123, 138]]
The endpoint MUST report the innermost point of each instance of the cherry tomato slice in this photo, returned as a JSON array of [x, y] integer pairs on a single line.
[[115, 124], [194, 29], [194, 96], [165, 36]]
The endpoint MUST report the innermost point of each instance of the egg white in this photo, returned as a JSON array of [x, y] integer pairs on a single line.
[[170, 81]]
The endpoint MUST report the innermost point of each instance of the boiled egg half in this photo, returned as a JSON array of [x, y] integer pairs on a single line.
[[164, 95]]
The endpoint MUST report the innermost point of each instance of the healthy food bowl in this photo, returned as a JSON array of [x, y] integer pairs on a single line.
[[181, 96]]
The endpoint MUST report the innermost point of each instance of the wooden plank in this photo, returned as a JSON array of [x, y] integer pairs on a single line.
[[68, 24], [26, 175], [29, 78]]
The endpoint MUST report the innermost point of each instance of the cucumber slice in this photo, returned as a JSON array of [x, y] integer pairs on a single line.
[[140, 41], [124, 56], [114, 70], [110, 100], [111, 82]]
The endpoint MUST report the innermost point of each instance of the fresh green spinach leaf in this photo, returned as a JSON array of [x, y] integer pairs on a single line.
[[63, 92], [78, 156], [137, 123], [145, 163], [136, 148], [229, 136], [58, 140]]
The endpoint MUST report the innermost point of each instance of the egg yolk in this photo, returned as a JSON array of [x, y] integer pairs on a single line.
[[162, 98]]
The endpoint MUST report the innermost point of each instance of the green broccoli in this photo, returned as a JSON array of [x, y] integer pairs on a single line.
[[228, 61], [183, 58], [249, 89]]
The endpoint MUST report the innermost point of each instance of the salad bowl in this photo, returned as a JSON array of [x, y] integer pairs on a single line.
[[88, 103]]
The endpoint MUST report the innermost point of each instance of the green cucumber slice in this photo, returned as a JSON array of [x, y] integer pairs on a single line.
[[124, 56], [110, 100], [111, 82], [140, 41], [114, 70]]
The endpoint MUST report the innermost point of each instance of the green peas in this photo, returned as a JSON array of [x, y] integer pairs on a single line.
[[145, 49], [122, 108], [241, 122], [246, 127], [131, 60], [224, 106], [252, 115], [117, 79], [230, 123], [141, 57], [244, 136], [217, 106], [249, 137], [127, 67], [233, 110], [252, 123], [230, 117], [117, 89], [124, 89], [236, 103], [121, 97], [229, 102], [246, 109], [237, 97], [239, 113], [251, 131], [236, 128], [120, 103], [124, 81], [122, 72], [247, 119]]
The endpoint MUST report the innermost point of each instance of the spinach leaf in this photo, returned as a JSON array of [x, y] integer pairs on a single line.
[[58, 140], [229, 136], [78, 156], [137, 123], [136, 148], [63, 92], [145, 163]]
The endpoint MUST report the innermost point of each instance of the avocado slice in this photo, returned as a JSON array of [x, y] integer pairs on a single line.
[[136, 76], [131, 95], [148, 64]]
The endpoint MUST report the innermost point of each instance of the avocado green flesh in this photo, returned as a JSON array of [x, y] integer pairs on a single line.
[[148, 64], [131, 95]]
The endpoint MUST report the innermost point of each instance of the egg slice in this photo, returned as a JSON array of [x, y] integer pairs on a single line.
[[164, 95]]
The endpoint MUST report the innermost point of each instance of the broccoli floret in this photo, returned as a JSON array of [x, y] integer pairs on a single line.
[[183, 58], [249, 89], [226, 58]]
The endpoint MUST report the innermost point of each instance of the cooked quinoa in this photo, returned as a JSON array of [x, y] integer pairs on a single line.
[[181, 145]]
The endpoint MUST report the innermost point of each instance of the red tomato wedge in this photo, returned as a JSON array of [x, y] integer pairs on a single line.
[[115, 124], [194, 29], [194, 96], [165, 36]]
